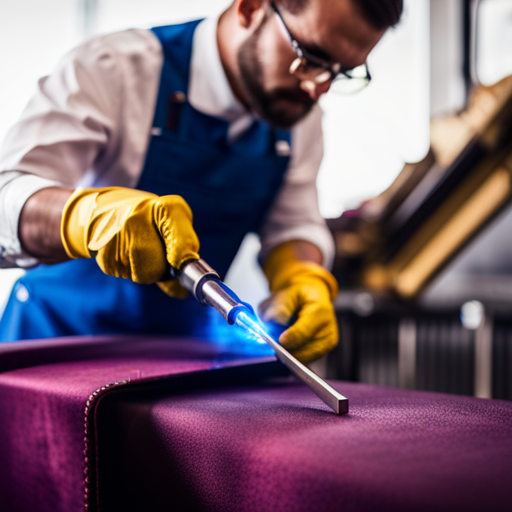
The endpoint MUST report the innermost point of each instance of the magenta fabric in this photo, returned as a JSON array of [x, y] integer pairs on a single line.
[[42, 407], [275, 447], [180, 437]]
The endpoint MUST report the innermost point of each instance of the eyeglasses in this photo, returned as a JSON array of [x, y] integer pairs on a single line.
[[319, 71]]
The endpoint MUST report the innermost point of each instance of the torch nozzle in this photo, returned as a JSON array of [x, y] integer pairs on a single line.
[[205, 284]]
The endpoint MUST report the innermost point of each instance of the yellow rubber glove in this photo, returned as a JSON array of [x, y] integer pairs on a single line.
[[133, 234], [304, 290]]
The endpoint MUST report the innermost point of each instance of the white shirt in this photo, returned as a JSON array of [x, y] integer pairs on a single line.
[[90, 121]]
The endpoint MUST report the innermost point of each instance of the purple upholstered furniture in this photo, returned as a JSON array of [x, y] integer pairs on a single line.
[[193, 430]]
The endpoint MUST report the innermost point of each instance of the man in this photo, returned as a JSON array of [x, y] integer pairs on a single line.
[[145, 147]]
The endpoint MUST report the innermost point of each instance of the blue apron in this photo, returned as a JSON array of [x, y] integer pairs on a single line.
[[229, 187]]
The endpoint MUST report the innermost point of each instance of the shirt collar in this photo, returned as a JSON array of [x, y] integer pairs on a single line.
[[209, 90]]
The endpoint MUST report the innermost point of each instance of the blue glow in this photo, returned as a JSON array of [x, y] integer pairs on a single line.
[[251, 325], [235, 339]]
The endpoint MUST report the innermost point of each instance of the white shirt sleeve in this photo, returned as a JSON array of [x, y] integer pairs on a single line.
[[295, 214], [88, 124]]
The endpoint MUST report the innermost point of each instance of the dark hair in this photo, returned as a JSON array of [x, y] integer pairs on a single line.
[[380, 13]]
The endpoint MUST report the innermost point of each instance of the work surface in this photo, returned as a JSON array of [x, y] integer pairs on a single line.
[[235, 442], [275, 447]]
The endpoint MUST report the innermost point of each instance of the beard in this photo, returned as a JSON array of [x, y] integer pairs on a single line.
[[276, 106]]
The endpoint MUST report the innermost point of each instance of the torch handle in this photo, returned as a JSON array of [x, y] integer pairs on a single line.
[[204, 283]]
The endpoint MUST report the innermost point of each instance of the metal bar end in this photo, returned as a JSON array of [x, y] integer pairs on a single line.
[[341, 406]]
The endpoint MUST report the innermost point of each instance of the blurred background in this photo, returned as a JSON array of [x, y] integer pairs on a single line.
[[426, 282]]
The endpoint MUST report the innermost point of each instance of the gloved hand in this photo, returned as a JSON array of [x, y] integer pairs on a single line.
[[133, 234], [304, 290]]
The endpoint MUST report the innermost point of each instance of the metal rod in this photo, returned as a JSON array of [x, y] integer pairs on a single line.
[[200, 279], [336, 401]]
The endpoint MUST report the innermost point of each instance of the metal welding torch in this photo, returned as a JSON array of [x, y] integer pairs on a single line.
[[204, 283]]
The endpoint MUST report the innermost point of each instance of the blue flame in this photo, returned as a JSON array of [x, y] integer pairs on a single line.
[[235, 339]]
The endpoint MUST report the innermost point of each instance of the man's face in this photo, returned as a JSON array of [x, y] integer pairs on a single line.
[[332, 30]]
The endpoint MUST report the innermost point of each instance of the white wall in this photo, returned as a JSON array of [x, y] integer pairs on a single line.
[[447, 93], [494, 40], [369, 136]]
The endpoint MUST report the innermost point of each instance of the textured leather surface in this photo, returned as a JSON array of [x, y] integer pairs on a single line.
[[211, 444], [276, 447], [42, 408]]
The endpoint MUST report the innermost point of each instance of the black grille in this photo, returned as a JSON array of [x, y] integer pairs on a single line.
[[445, 355], [445, 351], [376, 340]]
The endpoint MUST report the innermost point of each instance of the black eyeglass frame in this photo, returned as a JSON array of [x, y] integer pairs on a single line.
[[317, 61]]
